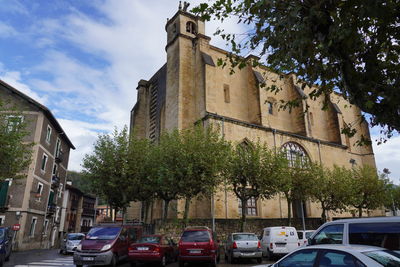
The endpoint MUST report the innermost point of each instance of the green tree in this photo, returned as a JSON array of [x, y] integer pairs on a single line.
[[106, 167], [368, 189], [15, 151], [347, 46], [81, 182], [330, 188], [295, 182], [251, 172]]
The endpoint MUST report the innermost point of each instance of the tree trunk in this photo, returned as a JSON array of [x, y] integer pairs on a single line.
[[323, 215], [243, 219], [289, 203], [124, 215], [165, 215], [186, 213], [360, 212]]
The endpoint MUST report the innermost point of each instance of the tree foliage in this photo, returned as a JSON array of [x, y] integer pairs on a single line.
[[251, 173], [347, 46], [106, 167], [330, 187], [368, 190], [15, 151]]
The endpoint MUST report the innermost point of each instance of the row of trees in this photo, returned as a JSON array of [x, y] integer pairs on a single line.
[[195, 162]]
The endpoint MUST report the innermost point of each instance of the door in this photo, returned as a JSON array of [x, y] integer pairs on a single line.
[[53, 236]]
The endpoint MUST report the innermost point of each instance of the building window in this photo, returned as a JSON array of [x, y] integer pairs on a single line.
[[295, 154], [39, 188], [270, 106], [46, 225], [251, 209], [33, 226], [58, 148], [2, 219], [44, 162], [312, 119], [227, 94], [48, 134], [191, 27], [14, 122], [54, 172], [60, 189], [57, 213]]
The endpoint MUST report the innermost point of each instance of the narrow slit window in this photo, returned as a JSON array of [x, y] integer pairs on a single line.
[[270, 106], [227, 94], [44, 162]]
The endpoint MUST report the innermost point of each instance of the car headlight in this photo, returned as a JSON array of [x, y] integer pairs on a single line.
[[69, 243], [79, 247], [106, 247]]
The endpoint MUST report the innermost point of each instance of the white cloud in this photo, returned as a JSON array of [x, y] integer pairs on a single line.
[[387, 156], [6, 30]]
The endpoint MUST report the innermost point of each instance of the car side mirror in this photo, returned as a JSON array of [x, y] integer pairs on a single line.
[[259, 237]]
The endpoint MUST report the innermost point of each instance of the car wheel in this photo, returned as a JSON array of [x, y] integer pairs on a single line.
[[114, 261], [78, 265], [133, 264], [259, 260], [163, 262], [181, 263], [61, 251]]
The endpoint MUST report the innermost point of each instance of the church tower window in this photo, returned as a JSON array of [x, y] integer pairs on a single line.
[[191, 27]]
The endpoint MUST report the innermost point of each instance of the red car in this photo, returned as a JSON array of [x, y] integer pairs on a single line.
[[198, 244], [153, 248]]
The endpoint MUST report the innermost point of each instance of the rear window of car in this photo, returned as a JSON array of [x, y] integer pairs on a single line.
[[300, 234], [250, 237], [385, 235], [149, 239], [195, 236], [384, 257]]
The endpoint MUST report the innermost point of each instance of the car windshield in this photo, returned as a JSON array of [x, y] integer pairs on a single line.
[[245, 237], [149, 239], [195, 236], [385, 257], [75, 236], [103, 233]]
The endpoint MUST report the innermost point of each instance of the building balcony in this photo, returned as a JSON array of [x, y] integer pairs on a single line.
[[88, 212], [55, 181], [59, 157], [51, 209]]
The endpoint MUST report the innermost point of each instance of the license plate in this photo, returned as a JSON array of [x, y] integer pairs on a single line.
[[142, 248], [249, 253], [194, 251], [87, 258]]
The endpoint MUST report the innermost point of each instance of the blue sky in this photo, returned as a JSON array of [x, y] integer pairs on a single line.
[[83, 59]]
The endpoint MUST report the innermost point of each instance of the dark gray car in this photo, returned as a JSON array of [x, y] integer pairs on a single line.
[[70, 242], [243, 245]]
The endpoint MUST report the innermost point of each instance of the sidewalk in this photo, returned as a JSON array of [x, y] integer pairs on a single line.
[[39, 258]]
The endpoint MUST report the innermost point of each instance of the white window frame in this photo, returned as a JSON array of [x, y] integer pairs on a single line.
[[55, 169], [60, 189], [2, 219], [32, 229], [48, 134], [13, 116], [45, 157], [57, 213], [41, 186], [46, 226], [58, 148]]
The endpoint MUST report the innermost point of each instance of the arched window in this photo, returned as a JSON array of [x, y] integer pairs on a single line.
[[295, 153], [191, 27]]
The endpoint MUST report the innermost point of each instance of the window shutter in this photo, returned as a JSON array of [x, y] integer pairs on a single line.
[[51, 197], [3, 193]]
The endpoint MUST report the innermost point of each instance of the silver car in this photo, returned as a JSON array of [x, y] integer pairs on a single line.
[[70, 242], [339, 255], [243, 245]]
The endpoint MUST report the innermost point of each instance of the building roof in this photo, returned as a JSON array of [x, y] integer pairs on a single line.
[[45, 110]]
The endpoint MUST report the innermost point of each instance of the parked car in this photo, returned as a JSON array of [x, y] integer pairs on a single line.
[[198, 244], [381, 232], [5, 244], [278, 241], [106, 245], [304, 235], [339, 255], [70, 242], [243, 245], [153, 248]]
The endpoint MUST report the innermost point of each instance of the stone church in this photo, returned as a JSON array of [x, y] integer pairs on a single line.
[[191, 88]]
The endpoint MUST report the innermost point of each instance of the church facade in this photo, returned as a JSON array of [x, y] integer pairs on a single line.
[[190, 88]]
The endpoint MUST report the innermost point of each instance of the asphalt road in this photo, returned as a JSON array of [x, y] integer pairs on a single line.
[[51, 258]]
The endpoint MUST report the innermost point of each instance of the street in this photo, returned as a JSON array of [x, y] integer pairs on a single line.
[[51, 258]]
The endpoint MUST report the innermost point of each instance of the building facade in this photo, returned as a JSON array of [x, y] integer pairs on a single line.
[[34, 202], [190, 88], [78, 214]]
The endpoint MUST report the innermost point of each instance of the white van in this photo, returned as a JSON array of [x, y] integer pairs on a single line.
[[278, 241], [380, 231]]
